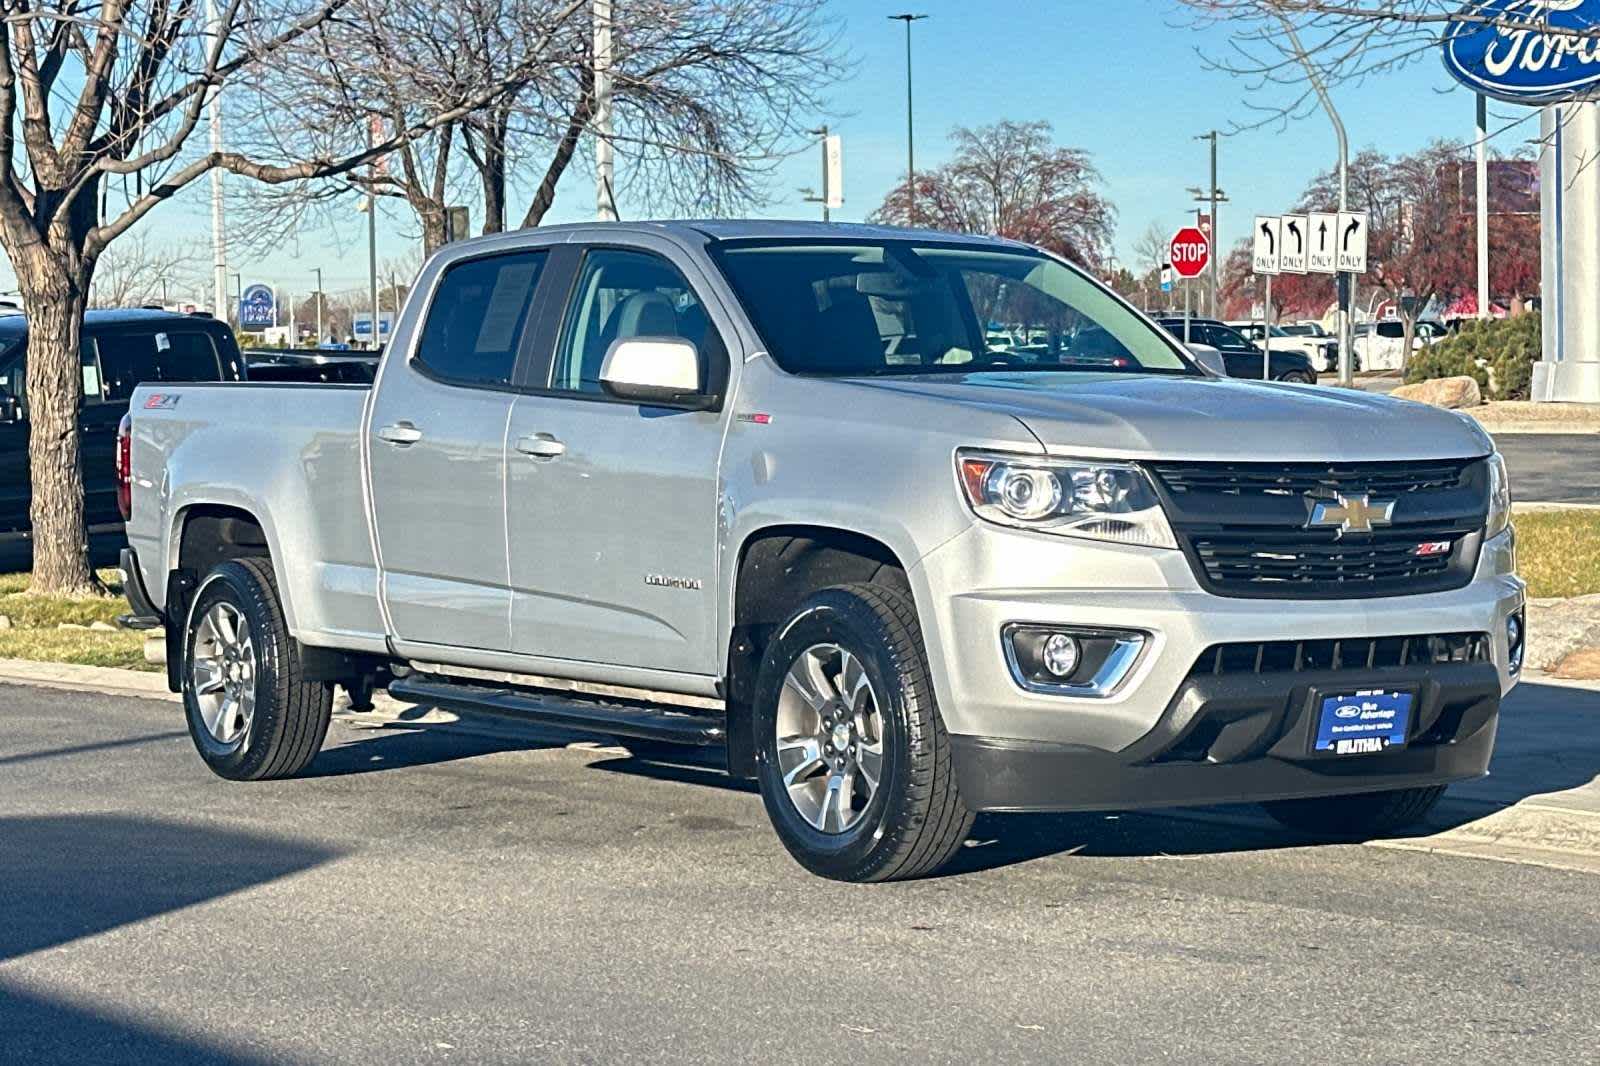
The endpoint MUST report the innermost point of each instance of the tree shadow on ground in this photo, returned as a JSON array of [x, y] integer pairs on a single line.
[[78, 875]]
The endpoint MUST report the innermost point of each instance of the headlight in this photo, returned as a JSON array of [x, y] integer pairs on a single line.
[[1499, 497], [1103, 501]]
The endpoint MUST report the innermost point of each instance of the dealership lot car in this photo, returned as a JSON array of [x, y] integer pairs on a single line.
[[923, 568]]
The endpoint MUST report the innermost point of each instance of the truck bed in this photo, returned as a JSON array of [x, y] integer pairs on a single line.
[[288, 453]]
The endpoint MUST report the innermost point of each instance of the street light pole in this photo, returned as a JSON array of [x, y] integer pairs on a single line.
[[1214, 199], [604, 156], [219, 240], [911, 159], [319, 306], [1483, 206], [1346, 326]]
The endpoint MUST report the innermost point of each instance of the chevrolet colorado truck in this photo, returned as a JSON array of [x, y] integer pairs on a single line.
[[781, 490]]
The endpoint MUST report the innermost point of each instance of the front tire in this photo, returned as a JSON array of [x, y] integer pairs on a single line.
[[851, 753], [1296, 377], [252, 716], [1369, 814]]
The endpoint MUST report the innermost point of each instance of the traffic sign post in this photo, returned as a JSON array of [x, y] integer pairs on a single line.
[[1190, 253], [1322, 253], [1295, 244], [1267, 259], [1352, 234]]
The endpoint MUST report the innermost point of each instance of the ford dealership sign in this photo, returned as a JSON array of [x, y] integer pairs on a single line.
[[1519, 63]]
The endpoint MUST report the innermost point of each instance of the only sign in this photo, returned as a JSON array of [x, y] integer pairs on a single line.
[[1191, 252]]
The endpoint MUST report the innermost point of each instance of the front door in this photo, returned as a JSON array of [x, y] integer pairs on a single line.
[[437, 445], [611, 505]]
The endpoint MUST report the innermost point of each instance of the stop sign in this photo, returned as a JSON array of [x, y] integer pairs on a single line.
[[1190, 252]]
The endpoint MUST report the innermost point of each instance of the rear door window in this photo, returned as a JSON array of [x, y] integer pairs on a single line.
[[477, 317]]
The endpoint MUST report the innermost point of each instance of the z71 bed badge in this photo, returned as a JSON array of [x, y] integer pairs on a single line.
[[162, 401]]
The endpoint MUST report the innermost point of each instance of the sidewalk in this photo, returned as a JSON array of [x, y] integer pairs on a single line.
[[1540, 802]]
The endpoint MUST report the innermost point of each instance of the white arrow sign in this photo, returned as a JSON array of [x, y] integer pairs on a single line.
[[1322, 243], [1353, 241], [1268, 253], [1296, 243]]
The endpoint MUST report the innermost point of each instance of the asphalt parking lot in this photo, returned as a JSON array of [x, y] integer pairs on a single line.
[[1553, 467], [435, 897]]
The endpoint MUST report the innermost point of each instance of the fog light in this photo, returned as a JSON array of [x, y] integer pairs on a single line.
[[1514, 643], [1061, 655]]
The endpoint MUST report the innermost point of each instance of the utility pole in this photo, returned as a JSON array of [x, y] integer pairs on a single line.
[[605, 208], [829, 194], [372, 242], [1214, 198], [1346, 280], [238, 298], [219, 240], [319, 306], [1483, 206], [911, 156]]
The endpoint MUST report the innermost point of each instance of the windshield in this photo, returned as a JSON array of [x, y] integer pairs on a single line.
[[853, 308]]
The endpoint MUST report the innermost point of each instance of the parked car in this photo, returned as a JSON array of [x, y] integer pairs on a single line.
[[119, 350], [1243, 359], [774, 474], [1323, 353], [1381, 345]]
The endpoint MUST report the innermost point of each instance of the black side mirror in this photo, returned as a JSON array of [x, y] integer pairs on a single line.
[[10, 409]]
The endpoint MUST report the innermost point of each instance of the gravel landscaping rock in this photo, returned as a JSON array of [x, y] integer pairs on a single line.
[[1559, 627]]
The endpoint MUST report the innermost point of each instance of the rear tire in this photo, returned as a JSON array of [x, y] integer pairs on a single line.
[[851, 753], [252, 716], [1369, 814], [1296, 377]]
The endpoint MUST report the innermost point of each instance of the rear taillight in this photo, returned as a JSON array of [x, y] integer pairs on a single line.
[[125, 467]]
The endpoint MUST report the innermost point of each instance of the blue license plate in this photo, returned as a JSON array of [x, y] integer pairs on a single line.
[[1364, 722]]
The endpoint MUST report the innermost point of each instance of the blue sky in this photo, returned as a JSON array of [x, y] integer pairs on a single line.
[[1118, 78]]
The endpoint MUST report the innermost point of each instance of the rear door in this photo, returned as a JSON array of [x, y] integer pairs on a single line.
[[437, 453]]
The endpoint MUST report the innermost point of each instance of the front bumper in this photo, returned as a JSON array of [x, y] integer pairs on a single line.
[[1018, 749], [1234, 738]]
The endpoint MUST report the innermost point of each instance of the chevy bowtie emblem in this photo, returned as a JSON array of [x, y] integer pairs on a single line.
[[1352, 514]]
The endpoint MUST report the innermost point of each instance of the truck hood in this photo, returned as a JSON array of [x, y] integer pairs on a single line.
[[1159, 417]]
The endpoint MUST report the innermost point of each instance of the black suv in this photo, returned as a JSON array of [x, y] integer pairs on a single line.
[[1242, 358], [120, 349]]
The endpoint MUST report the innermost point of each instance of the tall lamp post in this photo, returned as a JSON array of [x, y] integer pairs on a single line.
[[911, 159], [1215, 197]]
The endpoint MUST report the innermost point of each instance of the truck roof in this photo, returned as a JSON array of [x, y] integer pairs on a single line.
[[716, 229], [16, 325]]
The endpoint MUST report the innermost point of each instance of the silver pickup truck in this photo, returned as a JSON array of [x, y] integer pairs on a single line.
[[800, 494]]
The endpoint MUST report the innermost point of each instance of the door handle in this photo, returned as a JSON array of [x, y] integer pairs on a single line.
[[541, 446], [401, 434]]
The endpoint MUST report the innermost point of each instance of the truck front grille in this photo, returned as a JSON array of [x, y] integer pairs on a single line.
[[1351, 653], [1299, 479], [1246, 526]]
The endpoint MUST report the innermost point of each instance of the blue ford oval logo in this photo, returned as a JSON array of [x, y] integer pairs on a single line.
[[1519, 63], [1349, 710]]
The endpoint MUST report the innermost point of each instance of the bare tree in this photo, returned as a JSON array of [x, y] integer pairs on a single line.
[[1348, 41], [708, 96], [138, 270], [136, 76], [1009, 179]]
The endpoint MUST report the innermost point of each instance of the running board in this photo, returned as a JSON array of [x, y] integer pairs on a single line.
[[595, 714]]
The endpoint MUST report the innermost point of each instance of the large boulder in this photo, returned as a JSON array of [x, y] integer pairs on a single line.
[[1449, 393]]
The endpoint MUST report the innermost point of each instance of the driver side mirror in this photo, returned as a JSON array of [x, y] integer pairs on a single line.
[[654, 370], [10, 409], [1209, 358]]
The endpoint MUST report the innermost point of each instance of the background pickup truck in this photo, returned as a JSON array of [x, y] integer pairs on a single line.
[[909, 526]]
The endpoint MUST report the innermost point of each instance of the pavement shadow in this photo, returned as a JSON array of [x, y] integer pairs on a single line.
[[1548, 742], [392, 747], [75, 875], [72, 876], [44, 1033]]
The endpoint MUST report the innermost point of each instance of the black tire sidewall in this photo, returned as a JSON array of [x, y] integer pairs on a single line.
[[836, 616], [236, 585]]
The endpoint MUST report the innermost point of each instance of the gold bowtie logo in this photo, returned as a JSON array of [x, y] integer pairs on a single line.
[[1351, 514]]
